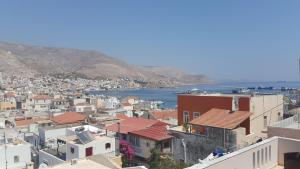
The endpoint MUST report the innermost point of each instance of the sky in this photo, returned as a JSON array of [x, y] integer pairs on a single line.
[[227, 40]]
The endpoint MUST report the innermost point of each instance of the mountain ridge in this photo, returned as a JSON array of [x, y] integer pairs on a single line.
[[88, 64]]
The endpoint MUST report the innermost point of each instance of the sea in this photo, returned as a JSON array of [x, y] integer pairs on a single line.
[[169, 95]]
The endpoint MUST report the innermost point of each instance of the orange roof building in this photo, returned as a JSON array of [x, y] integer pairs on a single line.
[[69, 118], [165, 114], [134, 124], [226, 119], [41, 97]]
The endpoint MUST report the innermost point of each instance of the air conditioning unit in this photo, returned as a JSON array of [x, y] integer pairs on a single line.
[[74, 161]]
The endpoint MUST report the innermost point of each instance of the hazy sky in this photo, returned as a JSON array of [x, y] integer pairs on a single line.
[[226, 40]]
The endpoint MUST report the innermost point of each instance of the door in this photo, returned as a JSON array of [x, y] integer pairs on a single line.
[[89, 151]]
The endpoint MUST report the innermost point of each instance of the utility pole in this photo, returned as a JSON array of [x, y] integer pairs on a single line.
[[5, 150]]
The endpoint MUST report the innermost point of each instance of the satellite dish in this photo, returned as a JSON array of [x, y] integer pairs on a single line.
[[43, 166]]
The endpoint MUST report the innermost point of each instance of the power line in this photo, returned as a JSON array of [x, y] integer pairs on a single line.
[[267, 111]]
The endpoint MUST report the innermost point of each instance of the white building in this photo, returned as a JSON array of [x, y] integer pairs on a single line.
[[100, 145], [77, 147], [38, 103], [273, 153], [85, 108], [111, 103], [48, 135], [15, 154]]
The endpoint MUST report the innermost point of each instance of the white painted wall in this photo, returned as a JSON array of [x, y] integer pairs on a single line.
[[53, 133], [243, 159], [285, 146], [22, 150], [264, 105], [98, 148], [49, 159]]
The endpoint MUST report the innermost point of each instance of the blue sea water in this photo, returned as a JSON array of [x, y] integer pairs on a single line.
[[169, 95]]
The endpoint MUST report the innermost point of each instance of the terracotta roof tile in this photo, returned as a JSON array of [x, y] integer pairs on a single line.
[[157, 133], [69, 118], [41, 97], [134, 124], [165, 114], [25, 122], [221, 118], [121, 116]]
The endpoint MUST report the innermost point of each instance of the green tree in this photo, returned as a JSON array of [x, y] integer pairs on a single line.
[[158, 162], [155, 159]]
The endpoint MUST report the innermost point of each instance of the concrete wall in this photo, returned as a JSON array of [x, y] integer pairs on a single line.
[[143, 150], [98, 148], [201, 104], [284, 132], [199, 146], [49, 159], [23, 151], [48, 134], [264, 105], [287, 146], [253, 157]]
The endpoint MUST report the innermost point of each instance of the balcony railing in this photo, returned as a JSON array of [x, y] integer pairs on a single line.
[[291, 122]]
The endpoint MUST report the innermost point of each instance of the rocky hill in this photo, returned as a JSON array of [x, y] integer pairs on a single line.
[[63, 62]]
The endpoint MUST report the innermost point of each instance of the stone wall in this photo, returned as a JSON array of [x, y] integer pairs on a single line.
[[200, 146]]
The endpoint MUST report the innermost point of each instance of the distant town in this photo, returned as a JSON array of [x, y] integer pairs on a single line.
[[149, 84], [51, 122]]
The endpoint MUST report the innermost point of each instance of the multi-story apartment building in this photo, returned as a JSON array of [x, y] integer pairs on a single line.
[[266, 108]]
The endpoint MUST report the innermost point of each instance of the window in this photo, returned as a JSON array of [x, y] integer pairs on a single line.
[[167, 144], [265, 121], [148, 144], [202, 130], [134, 141], [253, 160], [196, 115], [16, 159], [185, 117], [107, 146], [278, 116], [72, 150]]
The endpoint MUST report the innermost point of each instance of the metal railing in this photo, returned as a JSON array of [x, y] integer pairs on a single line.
[[293, 122]]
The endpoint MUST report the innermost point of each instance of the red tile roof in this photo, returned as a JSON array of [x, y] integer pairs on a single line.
[[25, 122], [126, 104], [157, 133], [41, 97], [121, 116], [69, 118], [221, 118], [9, 94], [134, 124], [165, 114]]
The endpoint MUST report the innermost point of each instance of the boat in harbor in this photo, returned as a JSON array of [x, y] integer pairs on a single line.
[[265, 88], [240, 91]]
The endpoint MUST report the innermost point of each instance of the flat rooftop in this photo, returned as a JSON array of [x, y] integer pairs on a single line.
[[274, 150], [291, 122], [80, 164], [76, 141]]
